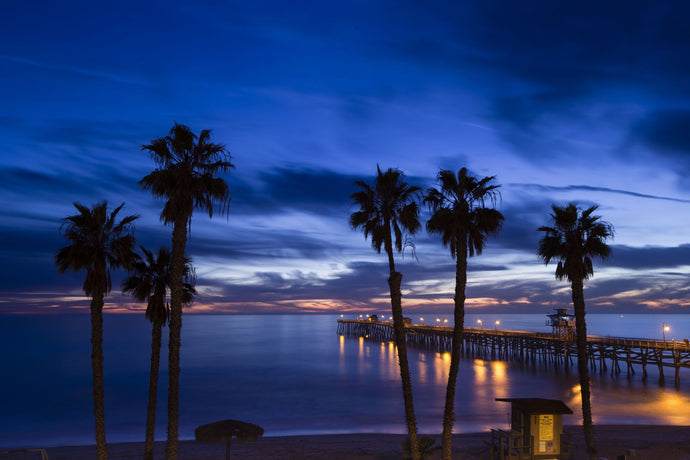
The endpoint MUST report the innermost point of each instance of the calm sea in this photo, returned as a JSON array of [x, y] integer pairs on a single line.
[[292, 374]]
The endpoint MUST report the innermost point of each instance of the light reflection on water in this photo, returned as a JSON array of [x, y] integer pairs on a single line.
[[291, 374], [615, 399]]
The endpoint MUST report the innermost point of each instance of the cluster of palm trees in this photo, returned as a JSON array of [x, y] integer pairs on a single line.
[[187, 177], [463, 213]]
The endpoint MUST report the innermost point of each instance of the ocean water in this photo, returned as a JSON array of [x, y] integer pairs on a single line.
[[292, 374]]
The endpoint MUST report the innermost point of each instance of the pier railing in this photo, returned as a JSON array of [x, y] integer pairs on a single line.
[[536, 347]]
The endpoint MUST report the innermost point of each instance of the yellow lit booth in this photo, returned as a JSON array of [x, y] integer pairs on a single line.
[[536, 426]]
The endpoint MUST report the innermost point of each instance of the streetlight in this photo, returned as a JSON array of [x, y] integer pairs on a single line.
[[421, 319], [445, 321], [665, 329], [496, 325], [480, 323], [438, 320]]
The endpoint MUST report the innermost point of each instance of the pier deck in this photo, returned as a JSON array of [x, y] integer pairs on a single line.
[[536, 347]]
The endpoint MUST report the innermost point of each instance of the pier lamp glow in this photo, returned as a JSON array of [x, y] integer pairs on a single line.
[[665, 329], [421, 319], [445, 321], [438, 320], [496, 325], [481, 325]]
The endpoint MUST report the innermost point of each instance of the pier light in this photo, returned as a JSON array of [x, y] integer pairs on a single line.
[[445, 321], [496, 325], [479, 321], [665, 329], [438, 320], [421, 319]]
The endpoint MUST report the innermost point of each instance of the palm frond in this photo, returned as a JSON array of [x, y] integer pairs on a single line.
[[574, 239]]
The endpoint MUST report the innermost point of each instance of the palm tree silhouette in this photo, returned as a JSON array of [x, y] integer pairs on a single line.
[[187, 178], [388, 211], [98, 243], [460, 216], [149, 281], [574, 239]]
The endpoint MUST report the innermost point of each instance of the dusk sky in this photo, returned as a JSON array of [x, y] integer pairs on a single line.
[[588, 102]]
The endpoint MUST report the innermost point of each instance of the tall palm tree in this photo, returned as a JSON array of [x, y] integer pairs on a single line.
[[460, 216], [388, 211], [149, 281], [187, 178], [98, 243], [574, 239]]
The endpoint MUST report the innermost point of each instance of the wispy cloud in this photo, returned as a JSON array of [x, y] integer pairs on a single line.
[[80, 71], [589, 188]]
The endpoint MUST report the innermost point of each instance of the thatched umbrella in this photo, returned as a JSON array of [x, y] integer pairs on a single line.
[[225, 430]]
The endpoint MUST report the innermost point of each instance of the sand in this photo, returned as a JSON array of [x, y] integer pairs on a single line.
[[632, 441]]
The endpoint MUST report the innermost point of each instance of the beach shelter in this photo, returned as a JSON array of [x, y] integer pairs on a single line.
[[225, 430], [540, 423]]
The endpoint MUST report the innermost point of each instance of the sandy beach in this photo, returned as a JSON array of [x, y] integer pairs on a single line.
[[639, 442]]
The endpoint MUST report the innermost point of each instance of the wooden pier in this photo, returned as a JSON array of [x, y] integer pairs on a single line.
[[536, 348]]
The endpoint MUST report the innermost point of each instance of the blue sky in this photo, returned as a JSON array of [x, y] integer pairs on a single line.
[[587, 102]]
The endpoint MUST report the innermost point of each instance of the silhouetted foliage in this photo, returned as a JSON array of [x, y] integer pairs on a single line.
[[98, 243], [461, 217], [388, 211], [149, 281], [187, 178], [574, 238], [426, 447]]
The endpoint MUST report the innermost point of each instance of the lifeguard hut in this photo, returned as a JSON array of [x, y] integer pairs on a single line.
[[562, 324], [536, 431]]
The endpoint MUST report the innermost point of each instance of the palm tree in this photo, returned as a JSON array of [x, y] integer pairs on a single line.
[[575, 238], [150, 281], [460, 216], [187, 178], [98, 243], [388, 210]]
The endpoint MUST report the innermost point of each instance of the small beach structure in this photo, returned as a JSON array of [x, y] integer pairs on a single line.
[[536, 431], [225, 430], [562, 324]]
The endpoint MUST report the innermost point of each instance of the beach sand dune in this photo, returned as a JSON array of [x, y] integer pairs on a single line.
[[636, 442]]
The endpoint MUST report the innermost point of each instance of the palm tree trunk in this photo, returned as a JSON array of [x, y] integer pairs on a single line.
[[399, 330], [179, 242], [97, 366], [458, 330], [578, 296], [156, 334]]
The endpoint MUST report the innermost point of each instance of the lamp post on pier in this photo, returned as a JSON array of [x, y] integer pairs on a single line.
[[496, 325], [481, 326], [665, 329]]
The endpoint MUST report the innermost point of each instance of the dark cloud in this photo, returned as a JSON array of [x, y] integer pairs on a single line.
[[650, 257], [667, 133], [309, 189]]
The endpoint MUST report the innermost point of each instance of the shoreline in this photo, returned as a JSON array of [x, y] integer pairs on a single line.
[[667, 442]]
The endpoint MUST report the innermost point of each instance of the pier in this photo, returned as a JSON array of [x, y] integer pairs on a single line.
[[606, 354]]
